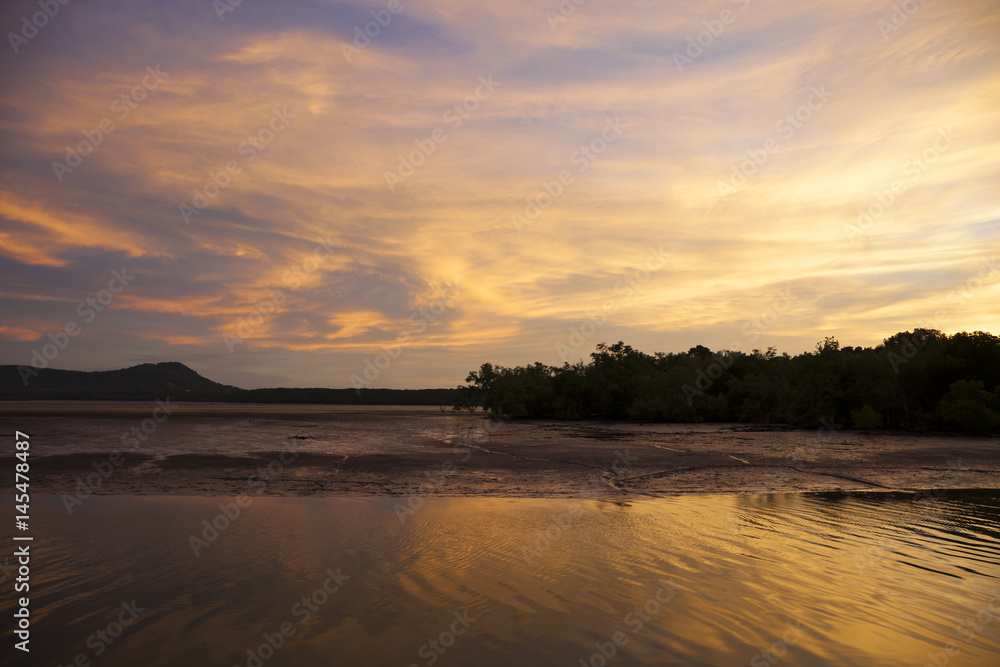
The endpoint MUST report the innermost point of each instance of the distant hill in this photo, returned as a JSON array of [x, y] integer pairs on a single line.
[[147, 382], [162, 378]]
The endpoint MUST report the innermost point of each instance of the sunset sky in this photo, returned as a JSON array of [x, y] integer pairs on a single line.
[[485, 178]]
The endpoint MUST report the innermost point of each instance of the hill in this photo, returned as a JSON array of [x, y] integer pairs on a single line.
[[161, 378], [147, 382]]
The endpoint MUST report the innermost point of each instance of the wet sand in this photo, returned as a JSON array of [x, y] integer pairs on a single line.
[[228, 450]]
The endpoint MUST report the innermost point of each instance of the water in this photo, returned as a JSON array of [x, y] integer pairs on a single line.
[[817, 579]]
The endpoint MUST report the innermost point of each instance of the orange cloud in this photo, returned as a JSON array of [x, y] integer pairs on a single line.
[[18, 334]]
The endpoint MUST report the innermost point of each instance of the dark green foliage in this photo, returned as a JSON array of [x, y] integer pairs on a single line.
[[866, 417], [921, 380], [968, 406]]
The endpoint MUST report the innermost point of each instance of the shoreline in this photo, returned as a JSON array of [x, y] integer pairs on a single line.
[[87, 409], [417, 451], [751, 498]]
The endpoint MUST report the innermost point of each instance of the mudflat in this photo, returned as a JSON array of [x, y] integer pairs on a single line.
[[216, 449]]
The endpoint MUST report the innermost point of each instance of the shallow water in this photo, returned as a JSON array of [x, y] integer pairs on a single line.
[[819, 579]]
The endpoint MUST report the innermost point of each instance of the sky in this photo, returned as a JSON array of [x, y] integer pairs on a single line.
[[389, 193]]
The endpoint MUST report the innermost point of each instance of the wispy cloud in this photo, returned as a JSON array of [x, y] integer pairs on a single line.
[[323, 177]]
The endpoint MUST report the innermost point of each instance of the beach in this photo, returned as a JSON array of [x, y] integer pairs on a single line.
[[297, 450], [249, 535]]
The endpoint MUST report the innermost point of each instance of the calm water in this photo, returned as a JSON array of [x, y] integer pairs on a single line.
[[862, 579]]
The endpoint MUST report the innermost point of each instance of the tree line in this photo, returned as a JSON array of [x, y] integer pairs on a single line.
[[915, 380]]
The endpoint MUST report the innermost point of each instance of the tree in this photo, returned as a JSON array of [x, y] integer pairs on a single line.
[[919, 379], [969, 407], [866, 417], [484, 383]]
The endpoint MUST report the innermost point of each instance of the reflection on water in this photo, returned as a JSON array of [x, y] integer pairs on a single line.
[[860, 579]]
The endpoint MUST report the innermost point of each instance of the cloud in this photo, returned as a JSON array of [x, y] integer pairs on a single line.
[[743, 118]]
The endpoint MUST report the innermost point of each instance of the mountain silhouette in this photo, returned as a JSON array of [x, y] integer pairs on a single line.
[[167, 376]]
